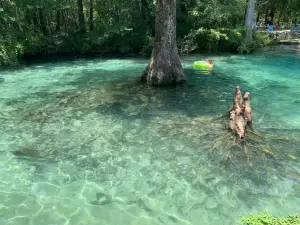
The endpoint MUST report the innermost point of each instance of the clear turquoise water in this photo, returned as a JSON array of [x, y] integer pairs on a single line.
[[112, 151]]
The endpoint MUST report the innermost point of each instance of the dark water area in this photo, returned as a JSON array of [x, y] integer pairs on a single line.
[[83, 142]]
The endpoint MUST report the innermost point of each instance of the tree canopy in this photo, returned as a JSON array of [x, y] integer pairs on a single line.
[[40, 27]]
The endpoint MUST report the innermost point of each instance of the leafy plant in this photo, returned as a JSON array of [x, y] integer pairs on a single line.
[[267, 219], [147, 46], [222, 39]]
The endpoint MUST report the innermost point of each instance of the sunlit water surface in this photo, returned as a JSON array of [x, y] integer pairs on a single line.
[[82, 142]]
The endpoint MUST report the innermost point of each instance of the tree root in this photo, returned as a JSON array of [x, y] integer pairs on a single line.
[[240, 114]]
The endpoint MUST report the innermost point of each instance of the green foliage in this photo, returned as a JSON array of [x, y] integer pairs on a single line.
[[268, 219], [205, 40], [123, 41], [112, 41], [222, 39], [9, 53], [261, 39], [218, 13], [147, 46], [36, 27]]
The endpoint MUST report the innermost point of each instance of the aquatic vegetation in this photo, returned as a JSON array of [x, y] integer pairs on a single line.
[[268, 219]]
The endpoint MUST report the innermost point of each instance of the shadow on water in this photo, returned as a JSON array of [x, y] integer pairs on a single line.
[[203, 94], [187, 111]]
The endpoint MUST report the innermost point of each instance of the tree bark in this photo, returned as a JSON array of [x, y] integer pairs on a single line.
[[249, 22], [91, 15], [164, 67], [81, 16]]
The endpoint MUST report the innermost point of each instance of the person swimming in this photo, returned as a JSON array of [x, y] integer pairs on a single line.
[[209, 63], [204, 66]]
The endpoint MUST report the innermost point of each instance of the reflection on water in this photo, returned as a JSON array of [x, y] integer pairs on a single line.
[[85, 143]]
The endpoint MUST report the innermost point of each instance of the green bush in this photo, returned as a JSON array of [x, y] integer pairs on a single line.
[[112, 41], [222, 40], [9, 53], [261, 39], [202, 40], [268, 219], [35, 43], [147, 46]]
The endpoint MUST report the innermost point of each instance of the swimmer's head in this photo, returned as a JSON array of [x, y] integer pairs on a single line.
[[210, 61]]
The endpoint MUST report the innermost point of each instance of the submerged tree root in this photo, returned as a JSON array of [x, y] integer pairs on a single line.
[[209, 132], [240, 115]]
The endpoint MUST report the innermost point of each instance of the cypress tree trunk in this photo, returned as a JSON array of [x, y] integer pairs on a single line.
[[91, 15], [249, 23], [80, 16], [164, 67]]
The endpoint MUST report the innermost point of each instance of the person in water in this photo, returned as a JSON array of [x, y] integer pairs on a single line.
[[210, 63]]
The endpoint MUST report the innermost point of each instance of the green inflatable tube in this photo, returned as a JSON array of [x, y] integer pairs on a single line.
[[201, 65]]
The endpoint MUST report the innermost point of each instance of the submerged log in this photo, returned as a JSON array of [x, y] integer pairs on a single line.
[[238, 96], [240, 114], [247, 108]]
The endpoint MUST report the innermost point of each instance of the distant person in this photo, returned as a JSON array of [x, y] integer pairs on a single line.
[[204, 65], [210, 62], [270, 28]]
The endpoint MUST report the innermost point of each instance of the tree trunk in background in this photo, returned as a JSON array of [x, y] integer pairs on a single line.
[[35, 19], [164, 67], [43, 25], [245, 13], [58, 19], [272, 13], [145, 11], [279, 17], [91, 15], [63, 19], [28, 17], [80, 16], [266, 16], [117, 14], [249, 22], [257, 17]]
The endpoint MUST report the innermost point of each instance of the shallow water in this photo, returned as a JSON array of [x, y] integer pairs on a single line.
[[82, 142]]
